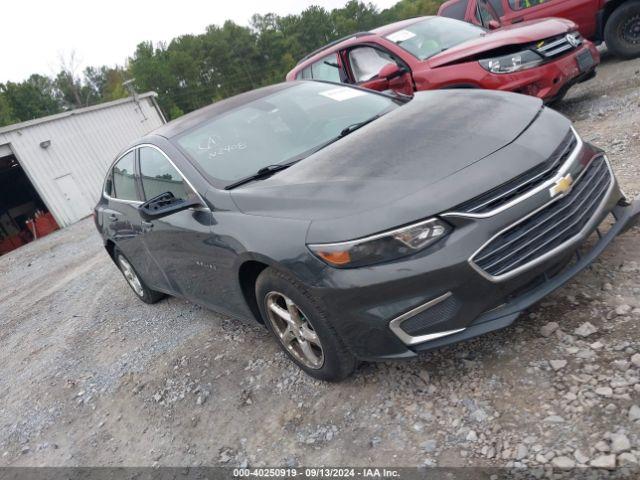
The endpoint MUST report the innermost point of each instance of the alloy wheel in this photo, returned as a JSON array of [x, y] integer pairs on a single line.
[[130, 274], [294, 330]]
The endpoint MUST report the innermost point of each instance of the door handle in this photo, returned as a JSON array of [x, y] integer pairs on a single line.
[[146, 226], [113, 217], [517, 20]]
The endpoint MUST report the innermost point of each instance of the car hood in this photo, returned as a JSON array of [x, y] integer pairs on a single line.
[[518, 34], [420, 150]]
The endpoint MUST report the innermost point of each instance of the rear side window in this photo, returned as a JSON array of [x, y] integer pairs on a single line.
[[327, 68], [522, 4], [497, 6], [159, 176], [124, 178], [456, 10]]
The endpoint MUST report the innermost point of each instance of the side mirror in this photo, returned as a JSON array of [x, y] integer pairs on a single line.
[[494, 24], [163, 205], [391, 71]]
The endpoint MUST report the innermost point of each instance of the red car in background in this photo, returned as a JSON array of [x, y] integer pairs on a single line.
[[617, 22], [543, 58]]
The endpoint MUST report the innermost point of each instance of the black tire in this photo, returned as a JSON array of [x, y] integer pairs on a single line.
[[621, 32], [144, 293], [338, 362]]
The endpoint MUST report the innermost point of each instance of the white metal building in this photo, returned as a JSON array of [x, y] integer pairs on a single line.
[[64, 157]]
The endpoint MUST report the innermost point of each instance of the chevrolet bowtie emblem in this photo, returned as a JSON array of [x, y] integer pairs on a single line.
[[563, 185]]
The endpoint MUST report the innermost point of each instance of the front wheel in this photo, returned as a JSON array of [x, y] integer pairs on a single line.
[[622, 31], [300, 325]]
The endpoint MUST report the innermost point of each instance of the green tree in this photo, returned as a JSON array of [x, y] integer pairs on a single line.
[[33, 98]]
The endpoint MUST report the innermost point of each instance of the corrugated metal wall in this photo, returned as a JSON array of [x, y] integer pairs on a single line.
[[83, 145]]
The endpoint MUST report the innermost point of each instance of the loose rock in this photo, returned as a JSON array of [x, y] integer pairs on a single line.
[[585, 330], [604, 461]]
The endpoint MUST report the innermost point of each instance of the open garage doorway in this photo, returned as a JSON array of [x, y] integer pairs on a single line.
[[23, 215]]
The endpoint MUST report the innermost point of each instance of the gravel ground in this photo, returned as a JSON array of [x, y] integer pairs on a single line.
[[91, 376]]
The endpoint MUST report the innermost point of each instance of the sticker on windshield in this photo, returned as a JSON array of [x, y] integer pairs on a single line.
[[342, 93], [400, 36]]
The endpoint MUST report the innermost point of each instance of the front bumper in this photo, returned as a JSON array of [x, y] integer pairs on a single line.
[[549, 80], [364, 302]]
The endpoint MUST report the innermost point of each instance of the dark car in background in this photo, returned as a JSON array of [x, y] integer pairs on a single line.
[[615, 21], [542, 58], [359, 226]]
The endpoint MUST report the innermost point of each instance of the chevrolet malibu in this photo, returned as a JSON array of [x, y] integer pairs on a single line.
[[543, 58], [359, 226]]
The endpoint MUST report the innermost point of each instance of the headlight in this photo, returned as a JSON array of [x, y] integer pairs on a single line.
[[383, 246], [512, 63]]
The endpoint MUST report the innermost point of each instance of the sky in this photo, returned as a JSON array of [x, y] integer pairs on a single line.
[[38, 36]]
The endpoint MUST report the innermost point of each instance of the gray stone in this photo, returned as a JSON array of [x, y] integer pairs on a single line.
[[623, 310], [479, 415], [548, 329], [620, 443], [429, 446], [606, 392], [604, 461], [585, 330], [627, 459], [563, 463], [635, 359], [521, 452], [472, 436], [554, 419], [634, 413], [580, 457], [557, 364], [602, 446]]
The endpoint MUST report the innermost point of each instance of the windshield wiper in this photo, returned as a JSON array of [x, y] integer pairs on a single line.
[[264, 172], [355, 126]]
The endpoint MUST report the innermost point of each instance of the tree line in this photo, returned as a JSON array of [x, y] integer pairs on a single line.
[[192, 71]]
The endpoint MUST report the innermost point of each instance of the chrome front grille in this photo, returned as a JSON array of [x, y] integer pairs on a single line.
[[550, 228], [509, 191], [556, 46]]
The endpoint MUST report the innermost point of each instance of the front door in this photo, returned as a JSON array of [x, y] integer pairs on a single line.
[[181, 243]]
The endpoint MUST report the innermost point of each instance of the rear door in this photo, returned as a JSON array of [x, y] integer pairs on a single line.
[[582, 12], [121, 218]]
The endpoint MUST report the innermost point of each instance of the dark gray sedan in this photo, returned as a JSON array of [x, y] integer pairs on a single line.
[[358, 226]]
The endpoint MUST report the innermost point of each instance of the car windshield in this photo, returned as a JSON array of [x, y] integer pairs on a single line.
[[429, 37], [277, 128]]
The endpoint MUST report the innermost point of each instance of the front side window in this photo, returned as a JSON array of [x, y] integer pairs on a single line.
[[366, 62], [278, 128], [522, 4], [429, 37], [159, 176], [124, 178]]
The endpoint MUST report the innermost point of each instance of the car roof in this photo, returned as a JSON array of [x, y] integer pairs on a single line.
[[354, 39], [185, 122]]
